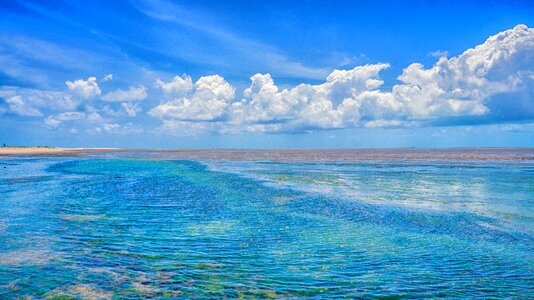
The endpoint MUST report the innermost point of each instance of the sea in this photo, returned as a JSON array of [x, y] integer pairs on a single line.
[[289, 224]]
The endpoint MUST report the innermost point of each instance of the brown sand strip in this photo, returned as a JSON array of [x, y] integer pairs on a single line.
[[46, 150]]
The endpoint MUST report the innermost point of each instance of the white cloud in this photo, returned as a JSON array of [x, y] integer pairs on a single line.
[[334, 104], [461, 85], [84, 88], [438, 53], [31, 102], [56, 120], [131, 109], [115, 128], [184, 128], [179, 86], [110, 111], [131, 94], [206, 102], [110, 127], [17, 105], [108, 77], [93, 116]]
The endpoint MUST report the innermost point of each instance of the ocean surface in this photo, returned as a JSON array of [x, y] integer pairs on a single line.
[[136, 225]]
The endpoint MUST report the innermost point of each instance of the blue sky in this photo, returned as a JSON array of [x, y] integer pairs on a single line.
[[267, 74]]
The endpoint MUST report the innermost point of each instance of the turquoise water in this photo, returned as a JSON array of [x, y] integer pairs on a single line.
[[134, 229]]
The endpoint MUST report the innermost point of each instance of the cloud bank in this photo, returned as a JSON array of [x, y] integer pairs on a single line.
[[489, 83], [459, 86]]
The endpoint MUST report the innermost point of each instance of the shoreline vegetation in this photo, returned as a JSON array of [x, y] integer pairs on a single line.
[[293, 154]]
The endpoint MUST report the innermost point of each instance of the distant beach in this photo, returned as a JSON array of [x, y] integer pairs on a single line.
[[47, 150]]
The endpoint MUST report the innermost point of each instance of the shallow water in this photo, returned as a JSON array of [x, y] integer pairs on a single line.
[[131, 228]]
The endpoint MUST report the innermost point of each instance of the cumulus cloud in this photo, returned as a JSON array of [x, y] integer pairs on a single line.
[[84, 88], [131, 94], [337, 103], [178, 86], [207, 101], [461, 86]]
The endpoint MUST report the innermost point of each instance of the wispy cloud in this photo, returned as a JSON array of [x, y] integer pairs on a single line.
[[262, 55], [41, 62]]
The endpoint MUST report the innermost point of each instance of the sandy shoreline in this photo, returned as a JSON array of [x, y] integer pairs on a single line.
[[46, 150], [324, 155]]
